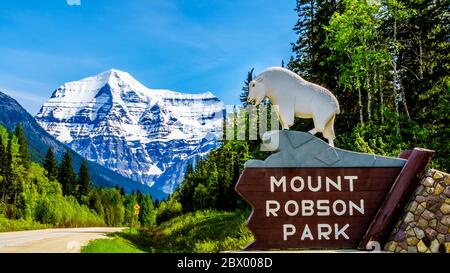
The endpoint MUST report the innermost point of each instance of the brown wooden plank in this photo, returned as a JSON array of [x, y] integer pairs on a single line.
[[397, 197], [276, 234], [375, 185], [262, 244], [269, 223], [354, 196], [368, 179], [370, 212], [252, 173], [254, 186]]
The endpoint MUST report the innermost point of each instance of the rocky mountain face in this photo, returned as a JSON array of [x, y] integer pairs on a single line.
[[39, 141], [148, 135]]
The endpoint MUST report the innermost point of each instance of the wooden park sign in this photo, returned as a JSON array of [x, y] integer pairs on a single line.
[[311, 195]]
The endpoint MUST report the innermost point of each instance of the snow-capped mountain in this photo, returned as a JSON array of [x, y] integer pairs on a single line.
[[145, 134]]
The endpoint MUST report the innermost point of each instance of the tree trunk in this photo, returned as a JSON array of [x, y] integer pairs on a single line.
[[397, 85], [380, 90], [405, 106], [13, 212], [420, 59], [361, 116], [369, 98]]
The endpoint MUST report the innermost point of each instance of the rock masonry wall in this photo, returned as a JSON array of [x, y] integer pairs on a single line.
[[425, 224]]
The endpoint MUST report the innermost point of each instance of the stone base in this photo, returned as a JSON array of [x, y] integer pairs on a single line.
[[425, 224]]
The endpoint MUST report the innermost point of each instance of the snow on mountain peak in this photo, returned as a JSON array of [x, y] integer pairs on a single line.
[[146, 134]]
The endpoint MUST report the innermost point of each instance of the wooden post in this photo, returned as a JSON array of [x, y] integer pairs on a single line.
[[131, 222], [405, 154], [397, 197]]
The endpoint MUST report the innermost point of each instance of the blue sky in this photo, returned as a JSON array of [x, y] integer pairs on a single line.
[[186, 46]]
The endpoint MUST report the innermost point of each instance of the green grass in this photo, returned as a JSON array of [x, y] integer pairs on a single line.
[[21, 224], [201, 231], [116, 244]]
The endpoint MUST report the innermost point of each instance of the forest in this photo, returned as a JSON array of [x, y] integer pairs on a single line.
[[54, 195]]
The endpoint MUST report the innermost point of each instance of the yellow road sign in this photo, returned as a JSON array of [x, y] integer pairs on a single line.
[[136, 209]]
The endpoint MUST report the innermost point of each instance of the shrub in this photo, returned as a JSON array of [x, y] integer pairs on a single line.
[[169, 210], [64, 211], [21, 224]]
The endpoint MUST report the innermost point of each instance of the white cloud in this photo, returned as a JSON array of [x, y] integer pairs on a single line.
[[73, 2]]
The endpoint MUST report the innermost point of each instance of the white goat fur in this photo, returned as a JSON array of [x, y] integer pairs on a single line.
[[296, 97]]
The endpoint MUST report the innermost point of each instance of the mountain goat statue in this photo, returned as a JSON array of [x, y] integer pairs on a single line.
[[296, 97]]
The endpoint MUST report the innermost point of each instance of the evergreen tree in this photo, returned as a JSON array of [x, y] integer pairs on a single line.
[[244, 93], [2, 167], [147, 213], [8, 171], [23, 146], [129, 202], [84, 180], [310, 56], [139, 196], [66, 175], [311, 59], [423, 35], [50, 164], [212, 183], [186, 191], [200, 197], [14, 175]]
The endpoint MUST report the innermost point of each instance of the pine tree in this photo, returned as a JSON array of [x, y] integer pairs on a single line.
[[310, 56], [244, 93], [200, 196], [147, 214], [311, 59], [84, 180], [66, 175], [3, 169], [23, 149], [2, 166], [8, 171], [50, 164], [186, 191], [424, 68]]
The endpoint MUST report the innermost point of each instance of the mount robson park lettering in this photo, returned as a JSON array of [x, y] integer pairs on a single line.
[[317, 207]]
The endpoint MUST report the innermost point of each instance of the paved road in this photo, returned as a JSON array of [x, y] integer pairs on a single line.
[[65, 240]]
